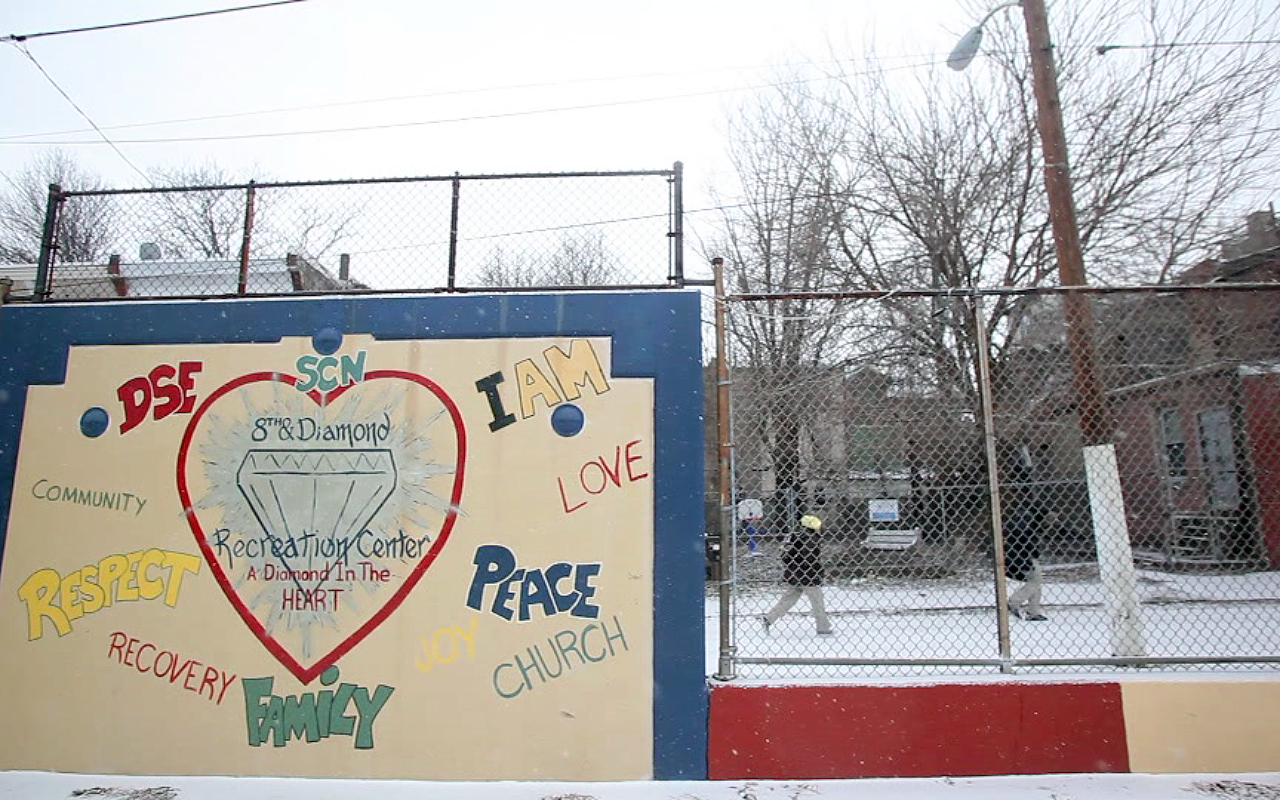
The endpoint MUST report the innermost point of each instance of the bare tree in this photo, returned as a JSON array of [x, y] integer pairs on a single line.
[[577, 259], [1170, 138], [206, 220], [876, 179], [1164, 137], [937, 181], [779, 235], [86, 226], [199, 222]]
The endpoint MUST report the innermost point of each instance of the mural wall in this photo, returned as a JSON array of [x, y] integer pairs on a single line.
[[410, 537]]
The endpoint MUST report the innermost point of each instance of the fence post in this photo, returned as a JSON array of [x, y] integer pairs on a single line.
[[993, 481], [118, 281], [452, 280], [724, 671], [677, 226], [242, 285], [48, 242]]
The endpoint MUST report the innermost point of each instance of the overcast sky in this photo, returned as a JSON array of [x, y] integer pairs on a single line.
[[487, 85]]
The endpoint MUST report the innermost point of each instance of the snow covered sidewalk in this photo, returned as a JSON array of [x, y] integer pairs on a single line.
[[1185, 615], [57, 786]]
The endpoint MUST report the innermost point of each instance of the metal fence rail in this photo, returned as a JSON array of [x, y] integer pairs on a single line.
[[937, 435], [582, 230]]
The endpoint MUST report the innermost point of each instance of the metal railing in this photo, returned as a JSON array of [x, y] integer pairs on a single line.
[[563, 231]]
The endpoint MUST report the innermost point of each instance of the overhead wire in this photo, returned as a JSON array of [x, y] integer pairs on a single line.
[[381, 126], [27, 52], [19, 41], [932, 60], [528, 112], [1103, 49], [453, 120], [22, 37], [409, 97]]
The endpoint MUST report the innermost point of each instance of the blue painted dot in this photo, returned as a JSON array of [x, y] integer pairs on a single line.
[[326, 341], [567, 420], [94, 422], [329, 675]]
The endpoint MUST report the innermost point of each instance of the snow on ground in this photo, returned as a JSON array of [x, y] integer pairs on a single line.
[[1184, 615], [53, 786]]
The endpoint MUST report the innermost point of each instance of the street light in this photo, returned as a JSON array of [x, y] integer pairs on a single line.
[[1106, 501], [969, 44]]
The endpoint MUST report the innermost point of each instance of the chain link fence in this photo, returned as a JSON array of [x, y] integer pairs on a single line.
[[454, 233], [971, 523]]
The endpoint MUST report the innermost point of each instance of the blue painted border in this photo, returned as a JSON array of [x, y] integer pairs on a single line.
[[655, 334]]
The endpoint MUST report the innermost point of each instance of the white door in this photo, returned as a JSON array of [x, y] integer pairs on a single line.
[[1219, 454]]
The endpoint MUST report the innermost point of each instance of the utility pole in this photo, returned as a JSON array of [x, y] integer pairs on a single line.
[[1102, 474], [1096, 427]]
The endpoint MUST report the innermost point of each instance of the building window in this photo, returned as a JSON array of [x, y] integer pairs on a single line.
[[1173, 441]]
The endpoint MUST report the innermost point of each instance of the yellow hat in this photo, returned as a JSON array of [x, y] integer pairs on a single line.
[[811, 522]]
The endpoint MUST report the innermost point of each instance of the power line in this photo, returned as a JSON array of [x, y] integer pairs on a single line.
[[472, 118], [22, 37], [441, 93], [316, 107], [389, 125], [80, 110], [1103, 49], [933, 60]]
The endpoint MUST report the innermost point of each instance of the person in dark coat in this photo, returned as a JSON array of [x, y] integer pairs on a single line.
[[1022, 560], [802, 568]]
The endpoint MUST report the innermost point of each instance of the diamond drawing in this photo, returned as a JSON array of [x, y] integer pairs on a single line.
[[328, 494]]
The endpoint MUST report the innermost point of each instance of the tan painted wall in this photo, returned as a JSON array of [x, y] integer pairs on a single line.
[[1203, 725], [88, 693]]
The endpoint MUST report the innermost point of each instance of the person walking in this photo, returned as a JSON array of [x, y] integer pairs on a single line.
[[1022, 561], [802, 568], [1022, 476]]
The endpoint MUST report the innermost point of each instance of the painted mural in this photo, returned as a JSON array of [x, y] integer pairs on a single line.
[[334, 555]]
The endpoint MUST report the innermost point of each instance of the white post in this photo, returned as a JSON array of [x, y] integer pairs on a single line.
[[1115, 556]]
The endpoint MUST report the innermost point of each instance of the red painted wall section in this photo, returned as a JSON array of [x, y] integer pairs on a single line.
[[816, 732], [1262, 429]]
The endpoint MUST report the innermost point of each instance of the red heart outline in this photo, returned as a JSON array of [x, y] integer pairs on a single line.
[[306, 674]]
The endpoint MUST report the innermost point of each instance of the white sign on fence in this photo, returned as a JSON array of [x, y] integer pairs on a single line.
[[883, 510]]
